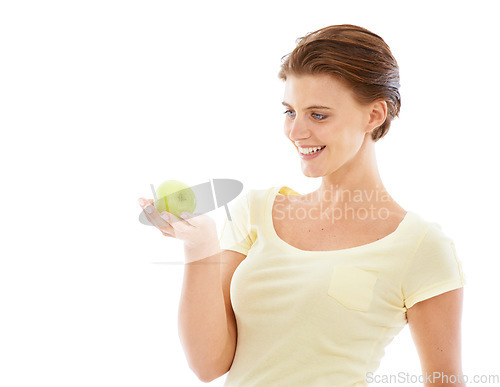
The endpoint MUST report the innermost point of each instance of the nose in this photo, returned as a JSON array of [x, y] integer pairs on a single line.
[[296, 129]]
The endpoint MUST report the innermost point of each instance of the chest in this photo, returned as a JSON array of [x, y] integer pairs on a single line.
[[314, 229]]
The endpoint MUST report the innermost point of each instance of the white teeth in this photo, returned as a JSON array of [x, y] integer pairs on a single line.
[[308, 151]]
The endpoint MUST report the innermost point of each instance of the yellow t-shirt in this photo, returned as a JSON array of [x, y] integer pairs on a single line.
[[323, 318]]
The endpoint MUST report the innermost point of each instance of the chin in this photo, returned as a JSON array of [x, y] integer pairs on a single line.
[[312, 174], [309, 172]]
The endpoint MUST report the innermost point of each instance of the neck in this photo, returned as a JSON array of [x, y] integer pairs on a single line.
[[356, 185]]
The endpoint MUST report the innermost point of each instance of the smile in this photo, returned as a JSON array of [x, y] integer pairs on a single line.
[[311, 152]]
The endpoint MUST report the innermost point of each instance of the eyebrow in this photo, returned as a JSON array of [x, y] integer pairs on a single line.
[[310, 107]]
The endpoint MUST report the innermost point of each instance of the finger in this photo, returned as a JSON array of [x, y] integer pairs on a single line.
[[155, 219], [180, 225], [143, 202], [167, 234], [194, 219], [188, 217]]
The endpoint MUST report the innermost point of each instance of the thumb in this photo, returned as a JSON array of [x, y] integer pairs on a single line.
[[170, 218], [181, 224], [186, 215]]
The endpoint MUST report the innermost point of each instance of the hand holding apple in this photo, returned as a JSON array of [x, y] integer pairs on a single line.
[[199, 234], [174, 200]]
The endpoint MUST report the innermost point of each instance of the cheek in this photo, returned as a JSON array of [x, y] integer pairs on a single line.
[[341, 140], [286, 128], [351, 142]]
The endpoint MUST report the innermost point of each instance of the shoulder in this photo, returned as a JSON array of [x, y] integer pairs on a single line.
[[261, 195], [253, 200], [430, 231], [251, 197], [433, 267], [423, 228], [435, 250], [259, 200], [429, 242]]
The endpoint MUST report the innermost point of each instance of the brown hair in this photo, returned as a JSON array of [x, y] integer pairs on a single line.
[[354, 55]]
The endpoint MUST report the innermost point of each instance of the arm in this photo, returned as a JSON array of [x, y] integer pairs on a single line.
[[435, 326], [206, 321], [207, 326]]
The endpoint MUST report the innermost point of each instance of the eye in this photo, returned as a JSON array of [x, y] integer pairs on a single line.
[[288, 113], [318, 116]]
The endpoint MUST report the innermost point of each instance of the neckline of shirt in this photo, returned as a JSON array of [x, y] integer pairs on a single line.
[[270, 226]]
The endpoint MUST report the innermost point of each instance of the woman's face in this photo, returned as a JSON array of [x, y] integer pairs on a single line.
[[321, 111]]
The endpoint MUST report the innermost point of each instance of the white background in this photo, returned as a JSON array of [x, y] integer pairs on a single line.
[[100, 99]]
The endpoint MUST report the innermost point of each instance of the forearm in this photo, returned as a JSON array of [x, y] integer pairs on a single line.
[[203, 328]]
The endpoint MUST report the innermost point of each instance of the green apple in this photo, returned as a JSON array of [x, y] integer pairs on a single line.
[[175, 197]]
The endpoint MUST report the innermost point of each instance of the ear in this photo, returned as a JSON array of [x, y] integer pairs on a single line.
[[377, 114]]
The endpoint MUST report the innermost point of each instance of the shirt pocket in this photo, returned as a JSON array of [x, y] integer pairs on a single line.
[[352, 287]]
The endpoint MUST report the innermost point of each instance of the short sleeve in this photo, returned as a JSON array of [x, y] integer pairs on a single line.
[[434, 268], [236, 232]]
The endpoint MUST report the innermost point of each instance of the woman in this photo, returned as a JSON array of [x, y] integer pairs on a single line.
[[325, 280]]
